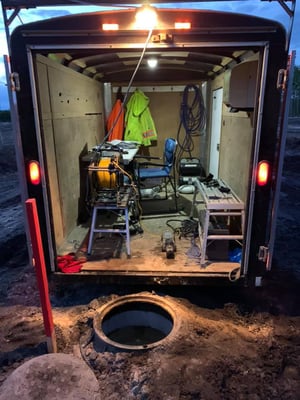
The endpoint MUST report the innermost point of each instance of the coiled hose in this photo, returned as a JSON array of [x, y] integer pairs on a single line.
[[192, 118]]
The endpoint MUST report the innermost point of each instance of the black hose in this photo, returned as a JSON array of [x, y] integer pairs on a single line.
[[193, 115], [192, 118]]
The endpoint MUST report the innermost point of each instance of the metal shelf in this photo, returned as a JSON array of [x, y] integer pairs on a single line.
[[216, 203]]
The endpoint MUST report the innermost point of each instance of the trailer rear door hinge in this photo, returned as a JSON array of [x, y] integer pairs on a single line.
[[281, 79], [263, 253], [15, 82]]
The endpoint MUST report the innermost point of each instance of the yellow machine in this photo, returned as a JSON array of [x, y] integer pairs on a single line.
[[106, 176]]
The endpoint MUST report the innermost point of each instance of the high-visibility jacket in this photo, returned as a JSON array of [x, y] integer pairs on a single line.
[[139, 125]]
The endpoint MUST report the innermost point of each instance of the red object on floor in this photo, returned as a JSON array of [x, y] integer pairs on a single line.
[[68, 263]]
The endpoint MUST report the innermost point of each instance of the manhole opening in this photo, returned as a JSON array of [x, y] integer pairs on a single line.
[[137, 323]]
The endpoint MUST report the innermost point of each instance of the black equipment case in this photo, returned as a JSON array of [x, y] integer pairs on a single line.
[[190, 168]]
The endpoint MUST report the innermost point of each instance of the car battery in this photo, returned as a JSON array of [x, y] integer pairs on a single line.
[[189, 170]]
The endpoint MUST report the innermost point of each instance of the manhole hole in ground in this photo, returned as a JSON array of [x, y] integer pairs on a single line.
[[133, 323]]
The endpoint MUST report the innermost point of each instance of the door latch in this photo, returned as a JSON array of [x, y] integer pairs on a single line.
[[15, 82], [281, 79], [263, 253]]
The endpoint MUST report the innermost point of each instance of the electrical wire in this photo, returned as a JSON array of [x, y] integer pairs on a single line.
[[192, 119], [133, 186], [120, 112], [193, 115], [188, 228], [129, 87]]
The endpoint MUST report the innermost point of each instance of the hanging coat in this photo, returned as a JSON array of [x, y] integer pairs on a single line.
[[115, 122], [139, 125]]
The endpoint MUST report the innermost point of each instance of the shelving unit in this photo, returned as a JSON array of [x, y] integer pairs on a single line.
[[218, 200]]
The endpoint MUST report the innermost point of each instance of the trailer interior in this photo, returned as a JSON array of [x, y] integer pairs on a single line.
[[206, 92]]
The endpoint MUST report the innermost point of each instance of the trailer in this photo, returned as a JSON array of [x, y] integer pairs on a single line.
[[219, 89]]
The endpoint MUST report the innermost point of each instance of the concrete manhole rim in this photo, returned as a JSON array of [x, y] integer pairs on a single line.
[[152, 299]]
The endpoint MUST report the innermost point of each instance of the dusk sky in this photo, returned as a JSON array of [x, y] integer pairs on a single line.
[[264, 9]]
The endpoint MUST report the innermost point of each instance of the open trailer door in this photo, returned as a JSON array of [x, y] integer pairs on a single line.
[[13, 86], [284, 84]]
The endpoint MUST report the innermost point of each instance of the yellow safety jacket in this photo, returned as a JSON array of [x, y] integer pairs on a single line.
[[139, 125]]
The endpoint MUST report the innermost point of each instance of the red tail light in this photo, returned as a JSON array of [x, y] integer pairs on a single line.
[[263, 172], [34, 172]]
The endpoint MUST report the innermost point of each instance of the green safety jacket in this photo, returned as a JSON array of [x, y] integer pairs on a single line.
[[139, 125]]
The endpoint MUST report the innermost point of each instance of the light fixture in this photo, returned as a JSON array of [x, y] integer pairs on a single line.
[[34, 172], [182, 25], [263, 172], [152, 62], [146, 18], [110, 27]]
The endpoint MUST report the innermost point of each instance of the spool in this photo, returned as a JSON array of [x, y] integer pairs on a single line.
[[106, 178]]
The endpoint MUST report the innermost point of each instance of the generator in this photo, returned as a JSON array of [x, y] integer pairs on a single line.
[[189, 170]]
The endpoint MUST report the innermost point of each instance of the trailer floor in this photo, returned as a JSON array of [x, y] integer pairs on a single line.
[[147, 258]]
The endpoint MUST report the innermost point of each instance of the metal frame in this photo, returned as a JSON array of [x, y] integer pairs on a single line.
[[15, 13], [119, 207], [216, 204], [15, 6], [34, 47]]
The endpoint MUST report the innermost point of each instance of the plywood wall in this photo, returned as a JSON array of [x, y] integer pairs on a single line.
[[235, 145], [72, 122]]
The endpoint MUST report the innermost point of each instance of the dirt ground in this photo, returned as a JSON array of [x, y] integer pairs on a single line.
[[230, 343], [233, 344]]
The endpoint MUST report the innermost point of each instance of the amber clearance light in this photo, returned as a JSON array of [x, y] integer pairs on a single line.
[[263, 172], [110, 27], [182, 25], [34, 172]]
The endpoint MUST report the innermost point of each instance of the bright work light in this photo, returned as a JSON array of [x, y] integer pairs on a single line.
[[146, 18]]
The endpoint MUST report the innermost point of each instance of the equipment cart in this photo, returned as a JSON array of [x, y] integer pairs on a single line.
[[217, 199]]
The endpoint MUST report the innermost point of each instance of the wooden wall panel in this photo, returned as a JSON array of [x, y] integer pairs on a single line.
[[72, 122]]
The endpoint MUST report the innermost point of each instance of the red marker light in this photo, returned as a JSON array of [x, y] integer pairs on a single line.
[[34, 172], [263, 172]]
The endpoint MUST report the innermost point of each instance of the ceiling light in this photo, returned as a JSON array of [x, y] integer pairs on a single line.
[[146, 18]]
